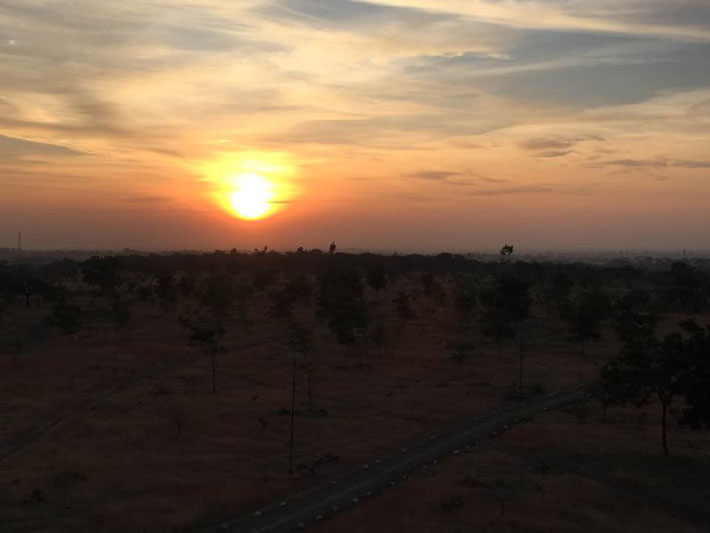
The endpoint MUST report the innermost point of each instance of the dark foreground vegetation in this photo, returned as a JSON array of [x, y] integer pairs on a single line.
[[259, 364]]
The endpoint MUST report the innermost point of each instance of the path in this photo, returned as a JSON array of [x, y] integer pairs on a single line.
[[316, 504]]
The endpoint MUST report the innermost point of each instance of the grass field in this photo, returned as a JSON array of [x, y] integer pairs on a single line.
[[570, 470], [141, 443]]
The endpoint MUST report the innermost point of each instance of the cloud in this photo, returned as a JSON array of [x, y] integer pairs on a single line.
[[551, 147], [548, 144], [346, 13], [526, 189], [659, 162], [553, 153], [147, 199], [434, 175], [603, 16], [391, 90], [12, 147]]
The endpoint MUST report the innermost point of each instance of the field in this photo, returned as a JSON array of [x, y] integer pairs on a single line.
[[576, 469], [129, 435]]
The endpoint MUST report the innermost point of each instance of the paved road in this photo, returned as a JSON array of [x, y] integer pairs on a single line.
[[312, 506]]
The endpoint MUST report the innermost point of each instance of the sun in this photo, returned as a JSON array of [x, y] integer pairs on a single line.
[[252, 196], [251, 185]]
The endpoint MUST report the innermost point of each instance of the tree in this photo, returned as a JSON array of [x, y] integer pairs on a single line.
[[556, 292], [377, 278], [341, 304], [28, 284], [695, 383], [206, 335], [506, 252], [166, 289], [496, 325], [218, 294], [585, 316], [686, 288], [301, 341], [645, 367], [298, 290], [331, 248], [102, 273], [507, 305]]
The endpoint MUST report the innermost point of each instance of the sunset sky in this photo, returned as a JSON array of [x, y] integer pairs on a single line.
[[387, 125]]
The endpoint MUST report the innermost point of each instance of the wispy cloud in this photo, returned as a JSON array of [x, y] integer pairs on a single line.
[[416, 98], [11, 147]]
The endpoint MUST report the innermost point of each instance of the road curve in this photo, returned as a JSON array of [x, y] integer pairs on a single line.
[[298, 511]]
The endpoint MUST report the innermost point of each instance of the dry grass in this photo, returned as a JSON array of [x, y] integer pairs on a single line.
[[566, 471], [162, 453]]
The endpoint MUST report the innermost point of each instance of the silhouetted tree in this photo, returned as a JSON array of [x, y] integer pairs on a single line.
[[102, 273], [585, 316], [207, 336], [497, 325], [166, 289], [377, 278], [645, 367], [507, 306], [298, 290], [26, 282], [632, 322], [556, 293], [686, 288], [217, 293], [341, 304], [506, 252], [301, 340], [696, 380]]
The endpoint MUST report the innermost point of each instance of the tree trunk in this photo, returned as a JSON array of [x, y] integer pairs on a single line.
[[521, 365], [663, 429], [214, 373], [293, 418]]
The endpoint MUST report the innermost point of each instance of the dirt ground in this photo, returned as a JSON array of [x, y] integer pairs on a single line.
[[140, 443], [576, 469]]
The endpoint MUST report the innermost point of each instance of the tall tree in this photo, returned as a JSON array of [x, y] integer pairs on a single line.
[[507, 306], [341, 304], [377, 278], [301, 340], [645, 367], [585, 316], [206, 335], [696, 381]]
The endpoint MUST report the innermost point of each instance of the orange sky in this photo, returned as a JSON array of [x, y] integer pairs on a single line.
[[388, 125]]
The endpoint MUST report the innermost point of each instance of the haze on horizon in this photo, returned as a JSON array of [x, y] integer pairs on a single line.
[[382, 124]]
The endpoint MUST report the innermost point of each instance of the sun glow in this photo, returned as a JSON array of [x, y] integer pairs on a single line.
[[252, 198], [251, 185]]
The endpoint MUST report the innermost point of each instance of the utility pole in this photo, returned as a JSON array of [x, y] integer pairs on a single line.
[[293, 415], [19, 241]]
